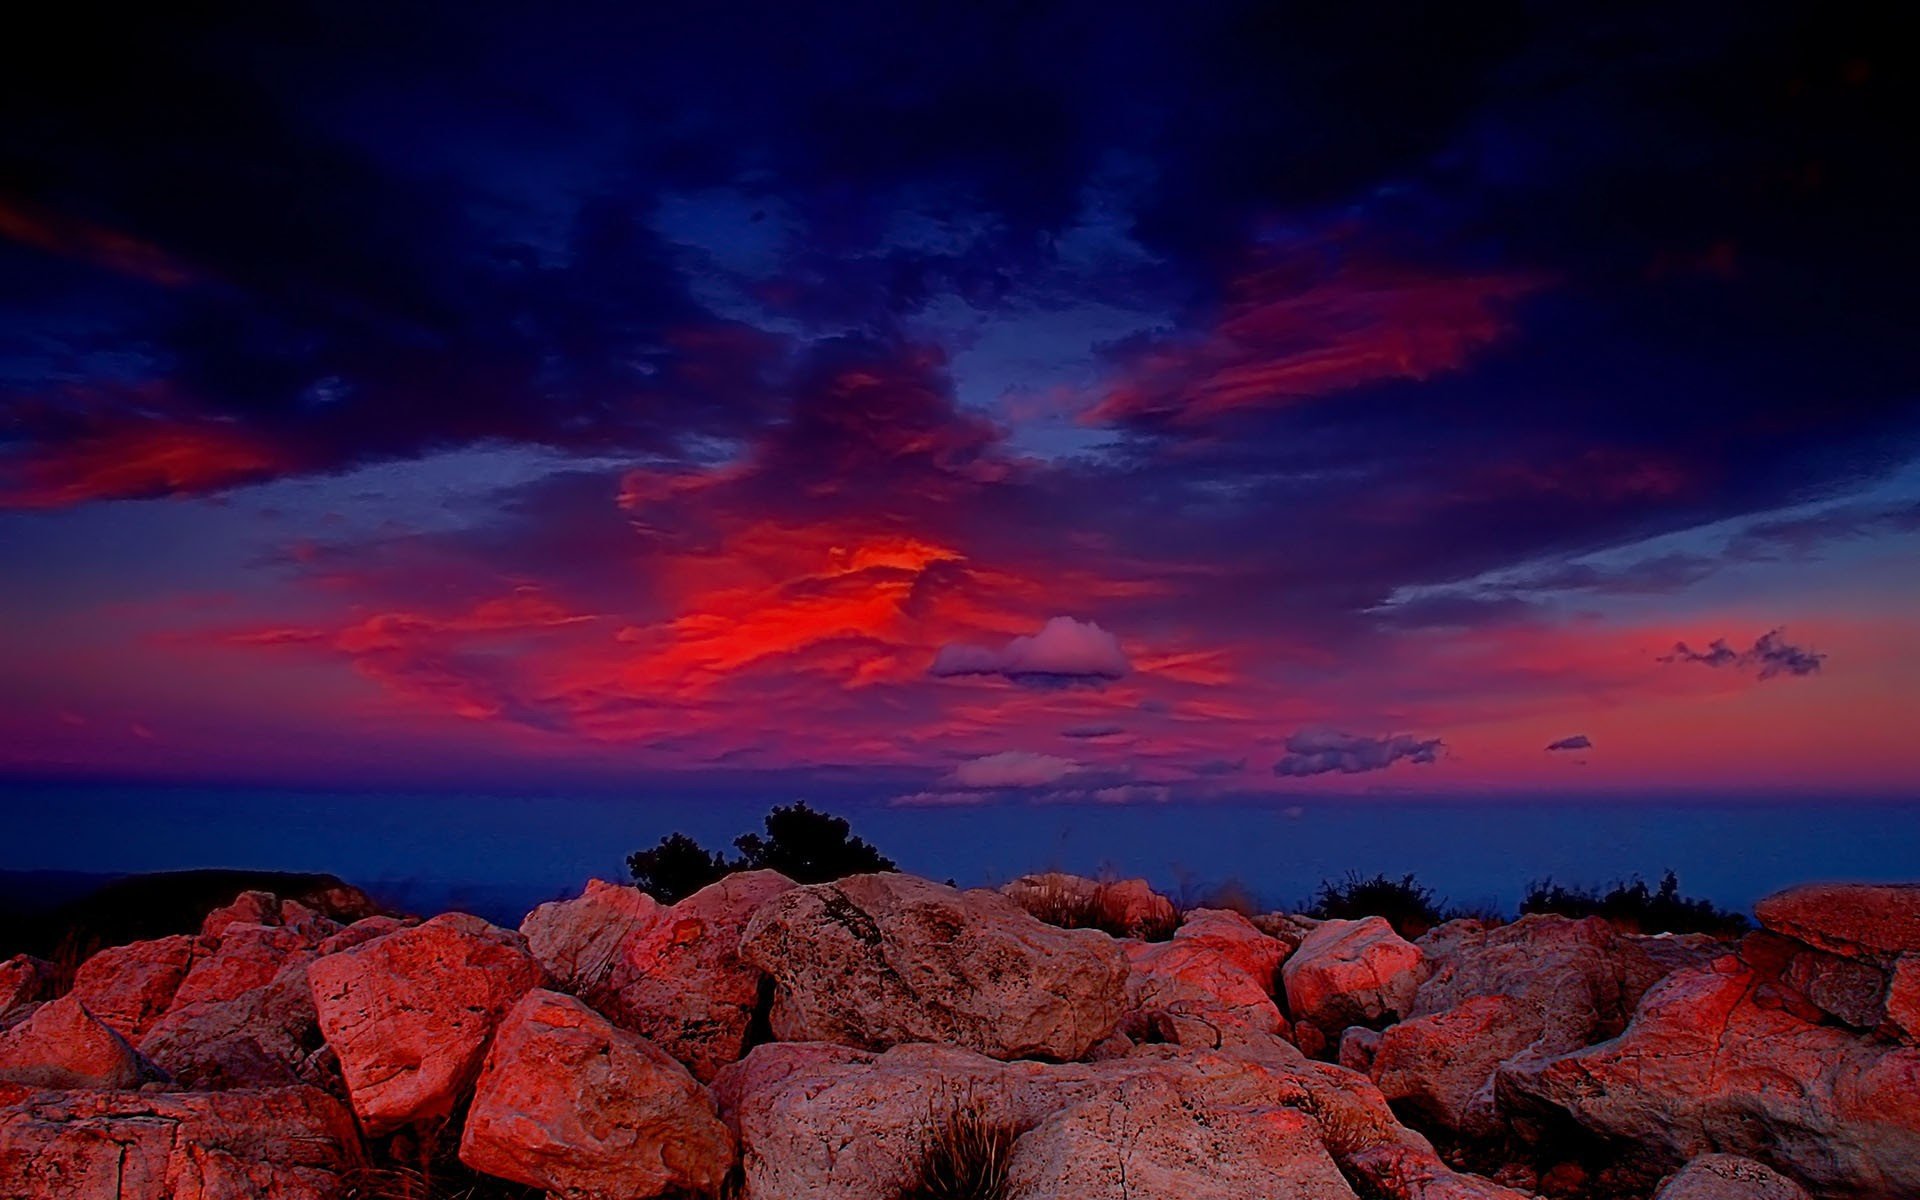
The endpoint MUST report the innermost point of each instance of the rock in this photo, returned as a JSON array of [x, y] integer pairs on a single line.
[[245, 957], [1352, 973], [1729, 1177], [1442, 1066], [23, 980], [62, 1045], [129, 986], [673, 974], [1358, 1048], [1146, 1142], [878, 960], [409, 1014], [1706, 1066], [1190, 993], [1123, 907], [289, 1144], [248, 908], [1543, 985], [569, 1103], [1873, 922], [1285, 928], [361, 932], [827, 1122], [1903, 1000], [1236, 939], [262, 1037]]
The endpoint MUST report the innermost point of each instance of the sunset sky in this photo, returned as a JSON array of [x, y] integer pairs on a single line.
[[958, 406]]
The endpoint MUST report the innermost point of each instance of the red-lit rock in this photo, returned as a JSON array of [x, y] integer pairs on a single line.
[[62, 1045], [572, 1104], [129, 986], [409, 1015]]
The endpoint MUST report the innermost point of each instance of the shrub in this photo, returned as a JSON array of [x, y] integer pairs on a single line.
[[1632, 905], [800, 843], [808, 847], [677, 868], [1407, 906], [964, 1156]]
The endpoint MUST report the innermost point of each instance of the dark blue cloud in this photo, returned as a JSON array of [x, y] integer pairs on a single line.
[[1578, 741], [1769, 656]]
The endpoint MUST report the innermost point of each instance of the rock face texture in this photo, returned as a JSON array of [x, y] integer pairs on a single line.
[[1352, 973], [877, 960], [1123, 907], [1542, 986], [826, 1122], [1727, 1177], [62, 1046], [410, 1014], [1208, 986], [286, 1144], [1876, 923], [23, 980], [673, 974], [572, 1104], [129, 986], [1711, 1063]]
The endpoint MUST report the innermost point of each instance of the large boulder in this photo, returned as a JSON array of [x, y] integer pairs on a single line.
[[1149, 1140], [1903, 1000], [23, 980], [827, 1122], [287, 1144], [62, 1046], [409, 1015], [1190, 993], [264, 1036], [1714, 1062], [1729, 1177], [1352, 973], [673, 973], [1238, 940], [129, 986], [878, 960], [1873, 922], [1541, 986], [570, 1103], [1122, 907]]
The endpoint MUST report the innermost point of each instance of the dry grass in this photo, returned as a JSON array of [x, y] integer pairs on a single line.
[[1058, 902], [965, 1155]]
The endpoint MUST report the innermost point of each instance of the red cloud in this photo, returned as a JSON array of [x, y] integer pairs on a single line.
[[72, 237], [1291, 333], [148, 458]]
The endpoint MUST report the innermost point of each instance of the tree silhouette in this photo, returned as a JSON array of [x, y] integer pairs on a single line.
[[809, 847], [677, 868], [804, 845]]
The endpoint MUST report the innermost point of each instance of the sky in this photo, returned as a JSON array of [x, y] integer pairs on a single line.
[[963, 405]]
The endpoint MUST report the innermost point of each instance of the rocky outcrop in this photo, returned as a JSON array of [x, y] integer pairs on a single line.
[[1872, 923], [827, 1122], [570, 1103], [24, 979], [409, 1015], [1541, 986], [62, 1046], [287, 1144], [1122, 907], [1351, 973], [1211, 984], [673, 973], [879, 960], [1729, 1177], [1715, 1061], [129, 986]]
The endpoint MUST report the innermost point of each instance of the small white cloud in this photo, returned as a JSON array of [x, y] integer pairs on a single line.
[[1064, 652], [1014, 769]]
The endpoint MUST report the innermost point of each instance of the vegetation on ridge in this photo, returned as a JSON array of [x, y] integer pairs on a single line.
[[801, 843]]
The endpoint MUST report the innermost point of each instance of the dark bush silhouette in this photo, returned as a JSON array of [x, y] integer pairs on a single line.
[[808, 847], [1407, 906], [1632, 905], [677, 868], [804, 845]]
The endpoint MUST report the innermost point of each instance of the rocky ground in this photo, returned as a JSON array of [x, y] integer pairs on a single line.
[[776, 1042]]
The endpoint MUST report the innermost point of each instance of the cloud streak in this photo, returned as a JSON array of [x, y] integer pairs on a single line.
[[1065, 652], [1322, 752], [1770, 656]]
